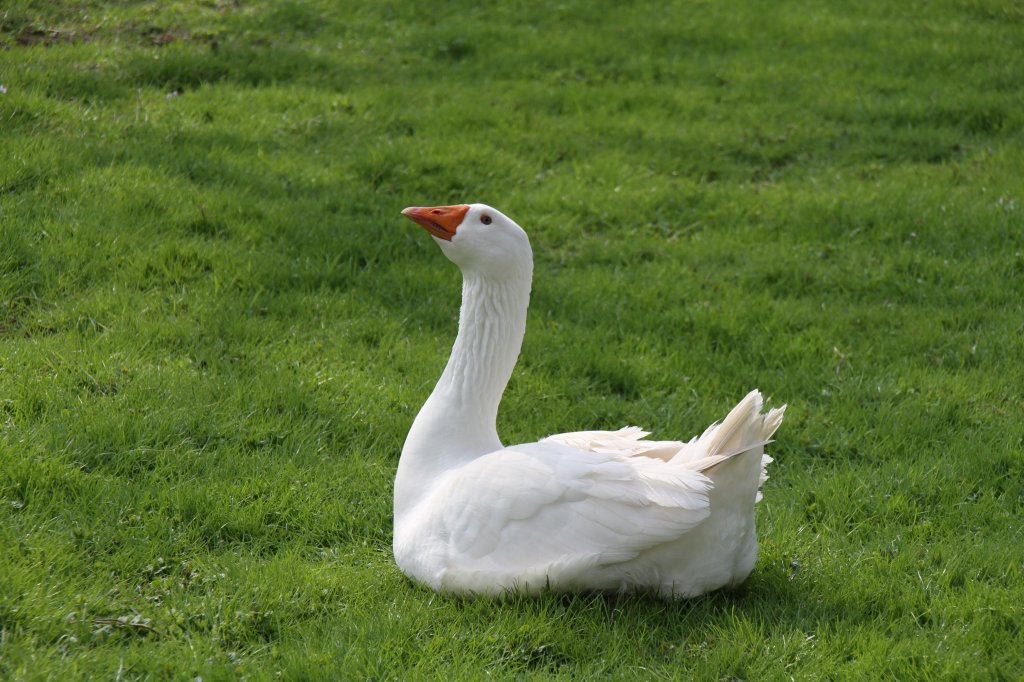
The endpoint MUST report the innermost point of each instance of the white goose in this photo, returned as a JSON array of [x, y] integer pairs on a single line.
[[593, 510]]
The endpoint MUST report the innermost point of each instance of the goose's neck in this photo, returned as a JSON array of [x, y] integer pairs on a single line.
[[491, 327], [458, 421]]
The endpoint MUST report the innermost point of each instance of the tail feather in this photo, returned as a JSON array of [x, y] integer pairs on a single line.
[[732, 432], [771, 421], [743, 429]]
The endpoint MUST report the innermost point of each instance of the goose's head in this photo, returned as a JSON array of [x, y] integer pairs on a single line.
[[479, 239]]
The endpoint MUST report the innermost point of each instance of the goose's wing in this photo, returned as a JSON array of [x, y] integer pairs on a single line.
[[743, 429], [630, 440], [530, 514]]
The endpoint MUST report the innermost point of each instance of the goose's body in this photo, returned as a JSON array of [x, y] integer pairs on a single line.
[[592, 510]]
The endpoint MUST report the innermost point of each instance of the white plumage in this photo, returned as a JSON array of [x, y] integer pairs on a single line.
[[591, 510]]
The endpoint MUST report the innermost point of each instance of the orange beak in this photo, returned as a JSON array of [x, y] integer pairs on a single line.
[[440, 221]]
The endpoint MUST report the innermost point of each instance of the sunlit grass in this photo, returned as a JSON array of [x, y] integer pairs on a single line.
[[215, 328]]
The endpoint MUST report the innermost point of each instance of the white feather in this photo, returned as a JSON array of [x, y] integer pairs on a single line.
[[593, 510]]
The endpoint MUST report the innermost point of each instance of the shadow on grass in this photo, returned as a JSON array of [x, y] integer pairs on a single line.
[[555, 633], [771, 597]]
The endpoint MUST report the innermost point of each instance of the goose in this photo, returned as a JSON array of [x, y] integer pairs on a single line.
[[590, 511]]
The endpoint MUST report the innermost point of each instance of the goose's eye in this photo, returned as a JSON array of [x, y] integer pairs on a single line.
[[486, 219]]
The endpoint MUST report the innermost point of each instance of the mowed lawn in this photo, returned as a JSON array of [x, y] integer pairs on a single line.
[[215, 328]]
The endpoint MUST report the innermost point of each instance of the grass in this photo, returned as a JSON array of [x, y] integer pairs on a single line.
[[215, 329]]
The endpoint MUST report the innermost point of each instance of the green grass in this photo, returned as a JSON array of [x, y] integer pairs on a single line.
[[215, 328]]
